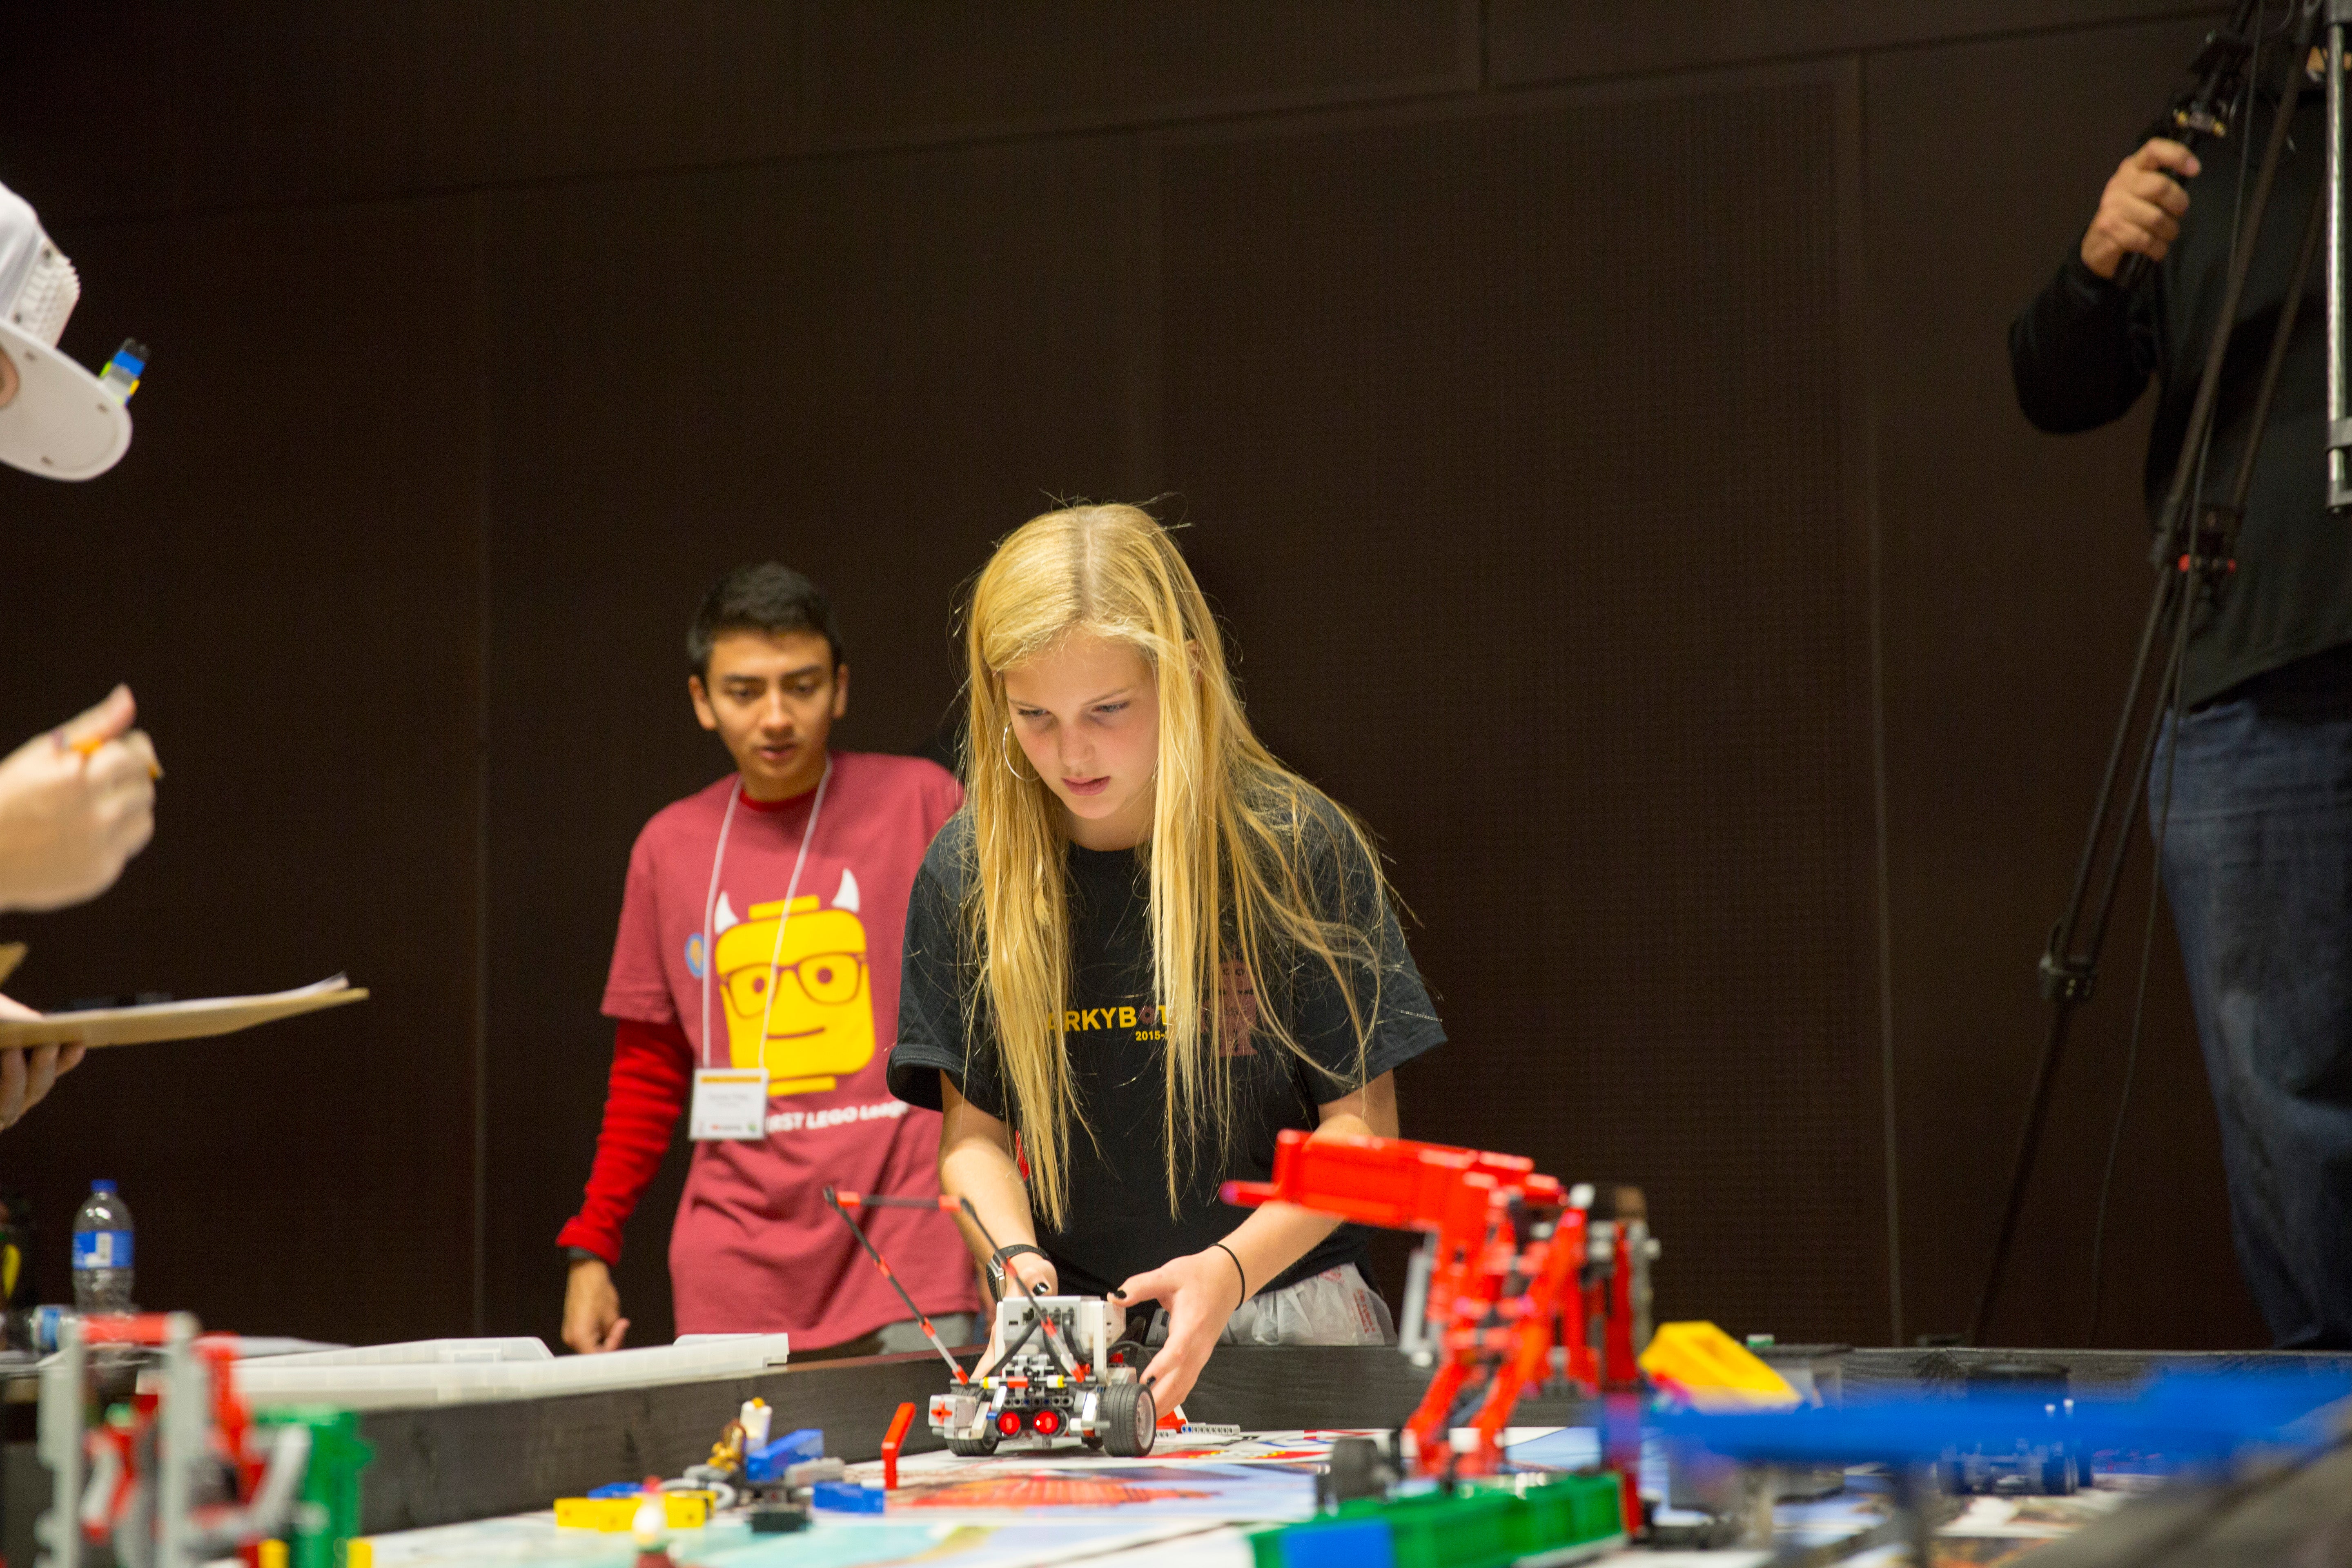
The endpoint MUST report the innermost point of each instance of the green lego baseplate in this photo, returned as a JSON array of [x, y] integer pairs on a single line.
[[1487, 1524]]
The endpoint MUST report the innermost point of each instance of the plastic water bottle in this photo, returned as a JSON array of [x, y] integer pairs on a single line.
[[102, 1251]]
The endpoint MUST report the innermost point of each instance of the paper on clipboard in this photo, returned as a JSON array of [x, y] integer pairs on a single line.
[[192, 1020]]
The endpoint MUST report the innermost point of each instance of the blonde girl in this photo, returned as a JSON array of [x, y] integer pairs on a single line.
[[1142, 948]]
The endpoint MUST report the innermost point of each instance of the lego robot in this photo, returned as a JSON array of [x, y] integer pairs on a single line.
[[1068, 1373]]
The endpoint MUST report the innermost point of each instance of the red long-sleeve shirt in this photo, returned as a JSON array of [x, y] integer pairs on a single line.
[[653, 1068]]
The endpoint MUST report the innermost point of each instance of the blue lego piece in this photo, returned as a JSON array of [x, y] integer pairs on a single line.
[[846, 1497], [2185, 1417], [618, 1488], [767, 1463], [1353, 1543]]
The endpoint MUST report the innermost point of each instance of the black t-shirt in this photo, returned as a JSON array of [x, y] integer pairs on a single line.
[[2085, 349], [1119, 1224]]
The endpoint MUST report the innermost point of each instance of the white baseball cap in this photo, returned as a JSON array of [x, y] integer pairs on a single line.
[[57, 419]]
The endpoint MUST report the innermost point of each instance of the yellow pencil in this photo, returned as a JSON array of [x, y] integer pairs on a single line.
[[87, 746]]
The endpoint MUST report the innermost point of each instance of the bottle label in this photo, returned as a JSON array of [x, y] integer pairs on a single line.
[[102, 1249]]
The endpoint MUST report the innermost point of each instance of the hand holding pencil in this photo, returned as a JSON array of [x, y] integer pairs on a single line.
[[76, 805]]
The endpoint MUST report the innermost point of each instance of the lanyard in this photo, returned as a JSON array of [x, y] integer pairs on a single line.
[[783, 917]]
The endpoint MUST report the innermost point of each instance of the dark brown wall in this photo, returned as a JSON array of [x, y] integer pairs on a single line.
[[1592, 421], [287, 576], [1604, 676]]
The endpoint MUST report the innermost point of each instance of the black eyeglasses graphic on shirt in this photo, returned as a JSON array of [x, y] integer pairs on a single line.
[[827, 979]]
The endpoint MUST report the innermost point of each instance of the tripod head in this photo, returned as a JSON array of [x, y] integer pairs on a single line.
[[2220, 68], [2209, 107]]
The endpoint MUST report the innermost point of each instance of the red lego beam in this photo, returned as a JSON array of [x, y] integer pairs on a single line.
[[1393, 1183]]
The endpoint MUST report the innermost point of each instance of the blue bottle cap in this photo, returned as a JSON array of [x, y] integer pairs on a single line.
[[102, 1186]]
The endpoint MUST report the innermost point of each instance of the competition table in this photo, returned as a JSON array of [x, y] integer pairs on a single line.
[[469, 1483]]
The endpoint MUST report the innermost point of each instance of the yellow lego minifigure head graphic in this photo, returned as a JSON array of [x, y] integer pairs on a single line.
[[813, 993]]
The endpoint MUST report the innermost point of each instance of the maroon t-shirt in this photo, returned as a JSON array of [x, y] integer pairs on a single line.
[[755, 1247]]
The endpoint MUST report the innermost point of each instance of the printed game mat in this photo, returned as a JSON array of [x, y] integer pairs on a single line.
[[1189, 1503]]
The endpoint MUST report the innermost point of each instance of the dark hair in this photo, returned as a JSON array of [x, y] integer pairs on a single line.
[[767, 598]]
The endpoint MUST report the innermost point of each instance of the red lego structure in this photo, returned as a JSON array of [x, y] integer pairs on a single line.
[[1518, 1286], [180, 1474]]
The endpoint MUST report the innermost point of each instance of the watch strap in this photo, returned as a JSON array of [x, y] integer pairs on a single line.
[[1003, 1255]]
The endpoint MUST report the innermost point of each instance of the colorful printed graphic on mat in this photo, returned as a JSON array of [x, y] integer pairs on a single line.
[[1039, 1491]]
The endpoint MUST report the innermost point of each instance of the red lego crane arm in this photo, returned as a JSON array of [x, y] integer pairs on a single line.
[[1393, 1183], [1508, 1258]]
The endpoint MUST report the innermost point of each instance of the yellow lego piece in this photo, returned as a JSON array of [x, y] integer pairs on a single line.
[[273, 1554], [359, 1554], [1701, 1363], [616, 1515]]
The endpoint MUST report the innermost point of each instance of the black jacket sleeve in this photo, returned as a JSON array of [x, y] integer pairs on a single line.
[[2082, 352]]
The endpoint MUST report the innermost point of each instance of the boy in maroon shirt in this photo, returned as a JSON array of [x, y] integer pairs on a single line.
[[760, 937]]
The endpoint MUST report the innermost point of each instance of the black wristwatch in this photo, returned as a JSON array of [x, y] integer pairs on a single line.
[[1005, 1255]]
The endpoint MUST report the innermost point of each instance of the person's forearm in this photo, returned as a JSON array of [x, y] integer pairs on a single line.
[[652, 1067], [1277, 1235], [977, 1164], [1272, 1239], [2073, 358], [984, 1174]]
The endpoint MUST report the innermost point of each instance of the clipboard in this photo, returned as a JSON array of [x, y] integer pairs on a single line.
[[192, 1020]]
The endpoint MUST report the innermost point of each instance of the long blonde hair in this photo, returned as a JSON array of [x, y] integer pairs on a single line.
[[1257, 876]]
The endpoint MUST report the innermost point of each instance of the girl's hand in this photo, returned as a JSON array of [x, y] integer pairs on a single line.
[[1030, 1270], [1201, 1293], [993, 1355]]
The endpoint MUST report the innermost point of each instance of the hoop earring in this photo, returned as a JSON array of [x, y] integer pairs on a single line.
[[1008, 760]]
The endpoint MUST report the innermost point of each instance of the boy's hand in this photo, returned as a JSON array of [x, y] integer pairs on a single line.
[[1202, 1295], [592, 1309]]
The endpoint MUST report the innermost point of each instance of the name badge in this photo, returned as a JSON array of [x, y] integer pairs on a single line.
[[729, 1102]]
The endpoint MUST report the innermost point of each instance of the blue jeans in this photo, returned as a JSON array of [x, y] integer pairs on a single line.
[[2258, 869]]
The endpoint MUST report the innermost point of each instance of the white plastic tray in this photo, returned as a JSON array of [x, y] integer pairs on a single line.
[[460, 1372]]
